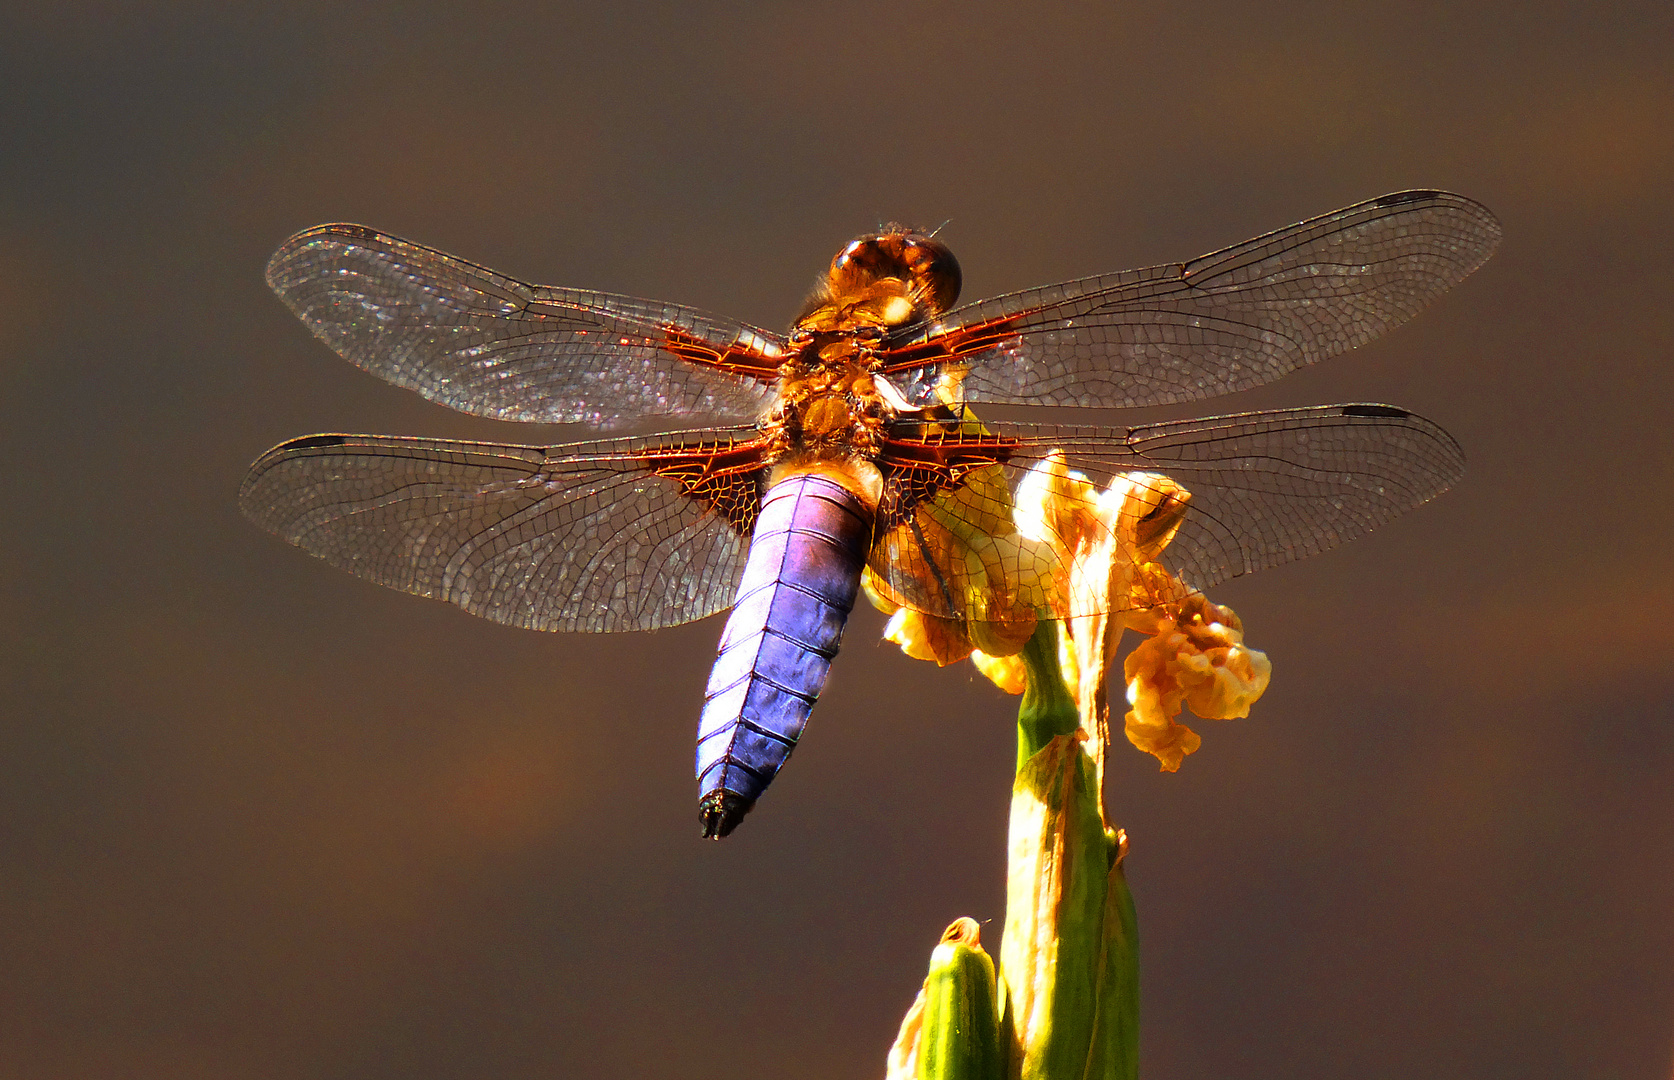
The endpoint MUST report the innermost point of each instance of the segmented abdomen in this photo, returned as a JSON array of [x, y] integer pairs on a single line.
[[799, 585]]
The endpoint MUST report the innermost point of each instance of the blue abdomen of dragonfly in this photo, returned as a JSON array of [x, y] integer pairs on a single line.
[[799, 585]]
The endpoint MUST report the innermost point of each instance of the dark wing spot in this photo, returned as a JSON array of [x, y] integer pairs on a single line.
[[1400, 198], [359, 232], [1374, 410], [309, 442]]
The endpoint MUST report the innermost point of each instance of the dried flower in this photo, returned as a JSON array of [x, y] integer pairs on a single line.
[[1089, 557], [1194, 655]]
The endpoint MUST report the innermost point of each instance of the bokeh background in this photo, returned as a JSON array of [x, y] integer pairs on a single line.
[[260, 819]]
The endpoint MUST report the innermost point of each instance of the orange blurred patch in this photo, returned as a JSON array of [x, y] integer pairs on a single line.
[[357, 792], [25, 294], [388, 156], [509, 794], [1297, 95], [1596, 630], [1606, 143]]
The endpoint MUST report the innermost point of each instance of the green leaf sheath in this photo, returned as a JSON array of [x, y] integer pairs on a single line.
[[961, 1033], [1055, 900], [1114, 1054]]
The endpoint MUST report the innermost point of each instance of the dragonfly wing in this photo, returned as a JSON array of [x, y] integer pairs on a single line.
[[945, 533], [1227, 321], [1265, 488], [1272, 487], [483, 343], [624, 534]]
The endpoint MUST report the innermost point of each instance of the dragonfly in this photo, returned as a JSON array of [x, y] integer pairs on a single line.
[[845, 446]]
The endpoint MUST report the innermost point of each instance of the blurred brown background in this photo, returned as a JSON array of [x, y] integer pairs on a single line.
[[259, 819]]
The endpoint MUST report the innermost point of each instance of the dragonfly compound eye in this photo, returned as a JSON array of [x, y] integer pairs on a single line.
[[925, 265], [934, 269]]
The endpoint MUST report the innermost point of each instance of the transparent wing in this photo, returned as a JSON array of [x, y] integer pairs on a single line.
[[1265, 488], [625, 534], [483, 343], [1272, 487], [1227, 321]]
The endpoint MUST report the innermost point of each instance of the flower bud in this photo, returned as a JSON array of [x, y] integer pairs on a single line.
[[960, 1034]]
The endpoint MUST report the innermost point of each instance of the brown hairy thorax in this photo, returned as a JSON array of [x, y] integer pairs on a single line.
[[831, 413], [885, 279]]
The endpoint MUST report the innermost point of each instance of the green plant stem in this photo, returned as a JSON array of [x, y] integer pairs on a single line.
[[1048, 709]]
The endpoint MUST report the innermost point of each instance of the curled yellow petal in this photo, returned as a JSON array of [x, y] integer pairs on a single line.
[[902, 1063], [1195, 657], [1006, 672], [1156, 699], [878, 592], [928, 637]]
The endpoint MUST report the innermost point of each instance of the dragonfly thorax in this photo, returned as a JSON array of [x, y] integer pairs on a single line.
[[829, 403]]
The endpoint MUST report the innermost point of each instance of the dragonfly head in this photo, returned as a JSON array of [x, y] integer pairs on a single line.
[[888, 279]]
